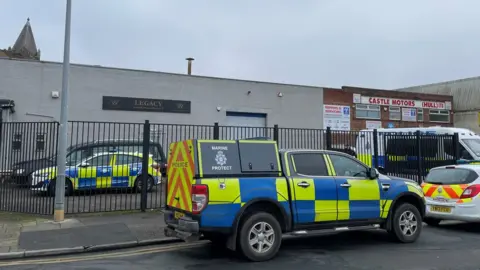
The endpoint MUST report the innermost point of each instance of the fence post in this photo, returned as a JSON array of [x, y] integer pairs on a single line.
[[329, 138], [145, 154], [275, 133], [418, 145], [456, 146], [216, 131], [375, 148]]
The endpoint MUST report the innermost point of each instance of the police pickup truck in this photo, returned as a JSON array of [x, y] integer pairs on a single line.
[[246, 194]]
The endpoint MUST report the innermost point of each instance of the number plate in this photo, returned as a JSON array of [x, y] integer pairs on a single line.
[[441, 209], [178, 215]]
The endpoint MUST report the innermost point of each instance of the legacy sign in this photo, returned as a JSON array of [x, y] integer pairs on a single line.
[[145, 104], [405, 103]]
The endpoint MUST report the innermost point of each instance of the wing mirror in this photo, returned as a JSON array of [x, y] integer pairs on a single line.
[[381, 170], [84, 164], [372, 173]]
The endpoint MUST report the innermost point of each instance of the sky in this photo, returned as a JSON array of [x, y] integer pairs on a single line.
[[331, 43]]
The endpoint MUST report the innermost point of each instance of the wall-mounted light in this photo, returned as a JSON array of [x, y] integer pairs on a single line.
[[249, 92], [385, 108], [219, 108], [280, 94]]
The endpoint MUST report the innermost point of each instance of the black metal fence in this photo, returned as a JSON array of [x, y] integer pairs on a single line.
[[28, 149]]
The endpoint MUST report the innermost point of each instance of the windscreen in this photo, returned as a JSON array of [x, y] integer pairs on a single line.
[[473, 145], [455, 176]]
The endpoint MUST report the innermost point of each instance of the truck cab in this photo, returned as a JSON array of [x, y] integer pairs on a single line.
[[247, 194]]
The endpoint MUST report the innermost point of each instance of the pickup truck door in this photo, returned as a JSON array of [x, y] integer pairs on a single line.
[[314, 191], [358, 196]]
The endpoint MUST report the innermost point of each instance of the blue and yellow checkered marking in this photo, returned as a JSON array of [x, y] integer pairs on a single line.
[[228, 195], [105, 176]]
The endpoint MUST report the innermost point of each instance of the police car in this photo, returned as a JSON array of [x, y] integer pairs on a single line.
[[451, 193], [101, 171], [246, 194]]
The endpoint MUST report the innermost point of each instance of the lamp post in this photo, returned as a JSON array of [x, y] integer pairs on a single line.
[[59, 210]]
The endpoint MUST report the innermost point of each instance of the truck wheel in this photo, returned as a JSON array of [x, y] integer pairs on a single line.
[[432, 221], [406, 223], [260, 237]]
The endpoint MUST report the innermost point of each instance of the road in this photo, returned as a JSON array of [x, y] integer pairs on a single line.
[[453, 246], [19, 199]]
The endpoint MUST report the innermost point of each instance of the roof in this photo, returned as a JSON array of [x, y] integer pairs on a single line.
[[25, 44]]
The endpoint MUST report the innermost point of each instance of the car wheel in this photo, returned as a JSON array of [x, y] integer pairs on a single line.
[[432, 221], [260, 237], [406, 223], [68, 188], [139, 183]]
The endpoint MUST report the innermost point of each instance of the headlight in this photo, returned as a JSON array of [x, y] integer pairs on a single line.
[[42, 174]]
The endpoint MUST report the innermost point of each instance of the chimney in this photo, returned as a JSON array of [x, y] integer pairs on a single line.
[[190, 59]]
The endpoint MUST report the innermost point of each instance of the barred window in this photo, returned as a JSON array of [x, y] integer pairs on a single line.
[[441, 116], [395, 113], [367, 111], [40, 142], [17, 142]]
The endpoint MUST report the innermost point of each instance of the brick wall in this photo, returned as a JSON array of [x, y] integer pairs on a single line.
[[344, 96]]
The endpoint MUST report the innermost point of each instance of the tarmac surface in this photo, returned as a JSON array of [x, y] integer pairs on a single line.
[[451, 246]]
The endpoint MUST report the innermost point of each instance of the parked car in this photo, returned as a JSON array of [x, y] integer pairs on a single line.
[[451, 193], [22, 171], [101, 171]]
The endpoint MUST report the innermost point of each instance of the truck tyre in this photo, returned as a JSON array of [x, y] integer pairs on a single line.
[[260, 237], [432, 221], [406, 223]]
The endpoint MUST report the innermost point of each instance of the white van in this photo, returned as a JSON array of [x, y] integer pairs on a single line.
[[401, 149]]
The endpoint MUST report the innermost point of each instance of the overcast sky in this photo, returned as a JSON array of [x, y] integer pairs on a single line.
[[368, 43]]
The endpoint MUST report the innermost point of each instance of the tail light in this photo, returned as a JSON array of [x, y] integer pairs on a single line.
[[199, 198], [470, 192]]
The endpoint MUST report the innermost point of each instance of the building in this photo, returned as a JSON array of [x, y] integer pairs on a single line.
[[354, 108], [24, 47], [466, 94]]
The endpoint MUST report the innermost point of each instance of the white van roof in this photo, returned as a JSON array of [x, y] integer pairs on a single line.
[[462, 132]]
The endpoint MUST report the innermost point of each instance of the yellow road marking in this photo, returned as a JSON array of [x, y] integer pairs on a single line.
[[80, 257]]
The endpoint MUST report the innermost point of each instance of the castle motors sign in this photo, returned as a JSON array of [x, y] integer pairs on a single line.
[[145, 104], [409, 103]]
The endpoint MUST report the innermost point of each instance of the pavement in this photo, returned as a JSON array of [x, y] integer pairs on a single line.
[[452, 246], [23, 236]]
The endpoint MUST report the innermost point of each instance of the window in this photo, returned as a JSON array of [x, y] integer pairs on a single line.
[[76, 156], [395, 113], [103, 160], [40, 142], [17, 142], [451, 176], [310, 164], [439, 116], [367, 111], [127, 159], [345, 166], [420, 115]]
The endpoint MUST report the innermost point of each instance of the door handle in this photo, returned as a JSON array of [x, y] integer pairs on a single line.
[[345, 185], [385, 187], [303, 184]]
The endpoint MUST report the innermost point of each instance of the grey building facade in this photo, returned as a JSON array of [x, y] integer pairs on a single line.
[[35, 88], [466, 96]]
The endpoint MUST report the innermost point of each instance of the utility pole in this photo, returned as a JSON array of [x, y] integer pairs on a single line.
[[59, 210]]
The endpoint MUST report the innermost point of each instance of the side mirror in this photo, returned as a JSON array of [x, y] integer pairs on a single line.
[[84, 164], [381, 170], [372, 173]]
